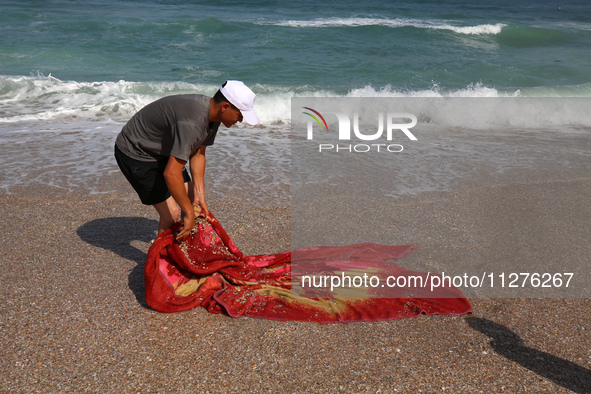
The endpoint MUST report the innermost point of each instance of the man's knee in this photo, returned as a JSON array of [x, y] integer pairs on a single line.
[[168, 210], [174, 211]]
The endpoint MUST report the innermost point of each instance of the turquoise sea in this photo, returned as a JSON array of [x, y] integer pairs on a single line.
[[72, 72]]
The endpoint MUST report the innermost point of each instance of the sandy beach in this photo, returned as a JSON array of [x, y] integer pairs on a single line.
[[74, 318]]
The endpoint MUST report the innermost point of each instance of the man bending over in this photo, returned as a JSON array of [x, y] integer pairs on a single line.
[[156, 143]]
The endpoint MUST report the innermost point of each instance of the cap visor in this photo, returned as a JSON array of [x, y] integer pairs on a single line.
[[250, 117]]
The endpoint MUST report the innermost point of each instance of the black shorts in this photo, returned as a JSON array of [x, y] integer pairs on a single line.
[[146, 177]]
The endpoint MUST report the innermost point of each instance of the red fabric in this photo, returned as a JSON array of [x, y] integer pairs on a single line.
[[206, 269]]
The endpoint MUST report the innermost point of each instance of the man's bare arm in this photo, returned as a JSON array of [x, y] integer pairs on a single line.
[[197, 167]]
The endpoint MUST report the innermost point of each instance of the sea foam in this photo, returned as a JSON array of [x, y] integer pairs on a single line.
[[48, 99], [395, 23]]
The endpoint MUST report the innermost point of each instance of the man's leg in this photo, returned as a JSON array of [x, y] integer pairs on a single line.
[[147, 180], [169, 213]]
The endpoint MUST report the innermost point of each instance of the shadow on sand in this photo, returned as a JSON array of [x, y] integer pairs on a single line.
[[508, 344], [116, 234]]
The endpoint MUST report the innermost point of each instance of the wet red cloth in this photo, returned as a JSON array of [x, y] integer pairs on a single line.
[[206, 269]]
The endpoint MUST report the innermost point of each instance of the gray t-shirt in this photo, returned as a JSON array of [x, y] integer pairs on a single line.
[[171, 126]]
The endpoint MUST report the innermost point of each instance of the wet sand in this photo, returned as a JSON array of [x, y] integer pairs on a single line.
[[74, 318]]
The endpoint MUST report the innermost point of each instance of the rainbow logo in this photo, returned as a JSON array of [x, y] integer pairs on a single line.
[[315, 118]]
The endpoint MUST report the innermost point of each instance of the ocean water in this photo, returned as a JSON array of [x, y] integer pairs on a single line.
[[72, 72]]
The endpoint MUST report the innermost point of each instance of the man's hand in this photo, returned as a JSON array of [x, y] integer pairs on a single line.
[[203, 206], [188, 224], [199, 200]]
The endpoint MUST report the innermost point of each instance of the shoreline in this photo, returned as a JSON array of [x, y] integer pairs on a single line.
[[74, 317]]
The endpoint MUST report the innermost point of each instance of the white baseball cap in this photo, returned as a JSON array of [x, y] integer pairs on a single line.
[[239, 95]]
